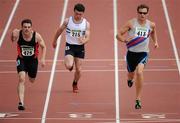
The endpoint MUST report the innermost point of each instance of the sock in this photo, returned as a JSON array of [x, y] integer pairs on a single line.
[[74, 82]]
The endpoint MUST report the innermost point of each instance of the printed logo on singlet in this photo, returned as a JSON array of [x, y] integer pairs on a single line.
[[67, 48], [27, 50], [141, 32]]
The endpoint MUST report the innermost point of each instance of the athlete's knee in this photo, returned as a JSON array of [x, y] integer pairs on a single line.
[[32, 80], [139, 73], [139, 69], [21, 79], [69, 66], [69, 62], [22, 76], [78, 71]]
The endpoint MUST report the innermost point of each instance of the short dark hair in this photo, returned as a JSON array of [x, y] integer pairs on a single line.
[[142, 6], [26, 21], [79, 7]]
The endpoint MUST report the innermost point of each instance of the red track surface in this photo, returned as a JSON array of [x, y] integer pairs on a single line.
[[96, 101]]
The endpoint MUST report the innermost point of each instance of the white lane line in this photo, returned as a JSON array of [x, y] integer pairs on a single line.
[[93, 60], [105, 120], [93, 70], [171, 34], [9, 21], [99, 113], [117, 93], [43, 120], [2, 115]]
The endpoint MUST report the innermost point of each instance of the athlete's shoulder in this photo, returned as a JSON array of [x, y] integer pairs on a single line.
[[132, 20], [152, 24], [87, 25], [66, 21], [87, 21], [37, 36], [129, 23]]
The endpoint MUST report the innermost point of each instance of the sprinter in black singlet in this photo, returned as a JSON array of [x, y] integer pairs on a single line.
[[28, 42]]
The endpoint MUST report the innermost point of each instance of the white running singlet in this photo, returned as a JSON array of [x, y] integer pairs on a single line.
[[75, 31]]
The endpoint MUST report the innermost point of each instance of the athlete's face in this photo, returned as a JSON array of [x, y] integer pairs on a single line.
[[27, 28], [78, 15], [142, 14]]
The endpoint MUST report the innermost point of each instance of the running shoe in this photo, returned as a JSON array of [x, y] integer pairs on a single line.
[[21, 106], [138, 104], [130, 83]]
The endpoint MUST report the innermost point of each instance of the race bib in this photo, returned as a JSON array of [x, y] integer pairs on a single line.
[[141, 32], [76, 33], [27, 51]]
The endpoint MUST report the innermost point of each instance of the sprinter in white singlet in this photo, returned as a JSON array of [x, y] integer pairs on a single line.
[[138, 31], [77, 35]]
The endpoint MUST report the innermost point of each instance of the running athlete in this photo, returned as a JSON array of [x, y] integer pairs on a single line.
[[28, 42], [138, 30], [77, 35]]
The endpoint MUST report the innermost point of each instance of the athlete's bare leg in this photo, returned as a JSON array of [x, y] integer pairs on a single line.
[[77, 74], [69, 62], [21, 86], [131, 75], [139, 80]]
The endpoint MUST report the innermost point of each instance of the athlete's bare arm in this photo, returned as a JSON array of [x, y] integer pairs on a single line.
[[125, 28], [154, 35], [86, 38], [15, 35], [59, 32], [43, 47]]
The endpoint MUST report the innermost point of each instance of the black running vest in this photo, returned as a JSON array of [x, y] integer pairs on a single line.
[[27, 49]]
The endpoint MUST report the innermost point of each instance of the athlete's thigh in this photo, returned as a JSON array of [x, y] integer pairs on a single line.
[[142, 61], [69, 60], [22, 75], [140, 68]]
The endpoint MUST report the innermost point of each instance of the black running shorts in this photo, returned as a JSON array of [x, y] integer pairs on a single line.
[[135, 58], [30, 66], [77, 51]]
